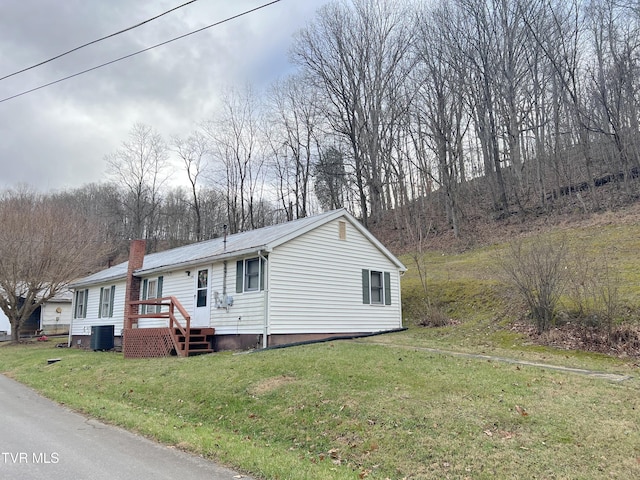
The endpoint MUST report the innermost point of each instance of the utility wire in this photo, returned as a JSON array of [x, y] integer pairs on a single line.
[[139, 51], [96, 41]]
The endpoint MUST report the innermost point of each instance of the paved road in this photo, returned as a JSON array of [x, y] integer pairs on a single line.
[[39, 439]]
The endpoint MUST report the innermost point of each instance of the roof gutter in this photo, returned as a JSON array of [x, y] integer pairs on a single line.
[[199, 261], [80, 283], [176, 266]]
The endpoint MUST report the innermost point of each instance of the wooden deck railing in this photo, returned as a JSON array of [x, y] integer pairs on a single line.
[[172, 305]]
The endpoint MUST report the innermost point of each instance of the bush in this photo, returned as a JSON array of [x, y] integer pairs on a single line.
[[422, 312], [543, 271], [593, 291], [538, 272]]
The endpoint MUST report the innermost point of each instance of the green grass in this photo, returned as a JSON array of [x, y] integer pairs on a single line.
[[354, 410], [467, 287], [384, 407]]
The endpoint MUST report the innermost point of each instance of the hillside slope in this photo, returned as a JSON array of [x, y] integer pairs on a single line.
[[458, 283]]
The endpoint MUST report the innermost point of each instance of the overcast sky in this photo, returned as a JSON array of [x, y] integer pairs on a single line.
[[57, 137]]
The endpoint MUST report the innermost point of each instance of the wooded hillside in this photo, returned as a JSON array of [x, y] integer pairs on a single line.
[[419, 117]]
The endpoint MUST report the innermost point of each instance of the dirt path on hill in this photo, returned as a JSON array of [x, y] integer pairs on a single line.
[[612, 377]]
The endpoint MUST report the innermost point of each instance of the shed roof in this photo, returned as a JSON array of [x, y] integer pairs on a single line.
[[239, 244]]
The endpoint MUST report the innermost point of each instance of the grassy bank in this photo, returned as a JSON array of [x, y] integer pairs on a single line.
[[466, 289], [355, 410], [383, 407]]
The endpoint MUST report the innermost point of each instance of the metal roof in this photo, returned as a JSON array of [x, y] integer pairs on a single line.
[[238, 244]]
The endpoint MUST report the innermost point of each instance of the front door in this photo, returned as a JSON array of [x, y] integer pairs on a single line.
[[202, 310]]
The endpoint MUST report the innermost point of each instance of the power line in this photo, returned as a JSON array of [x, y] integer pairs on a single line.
[[96, 41], [140, 51]]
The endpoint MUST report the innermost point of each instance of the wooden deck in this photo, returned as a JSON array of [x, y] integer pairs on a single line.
[[179, 338]]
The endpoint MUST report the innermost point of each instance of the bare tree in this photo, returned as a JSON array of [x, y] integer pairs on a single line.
[[193, 151], [615, 38], [357, 54], [234, 136], [139, 167], [44, 245], [293, 137], [440, 112], [331, 181]]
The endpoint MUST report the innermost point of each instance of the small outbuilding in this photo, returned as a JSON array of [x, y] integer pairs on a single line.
[[5, 326], [308, 279], [51, 318]]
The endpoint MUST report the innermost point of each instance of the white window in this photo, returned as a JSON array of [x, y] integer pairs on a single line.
[[105, 309], [376, 287], [151, 288], [250, 275], [80, 310]]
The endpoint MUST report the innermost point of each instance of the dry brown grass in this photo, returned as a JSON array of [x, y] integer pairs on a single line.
[[270, 384]]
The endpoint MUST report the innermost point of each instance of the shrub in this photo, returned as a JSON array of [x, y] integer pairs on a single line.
[[593, 291], [538, 272], [420, 311]]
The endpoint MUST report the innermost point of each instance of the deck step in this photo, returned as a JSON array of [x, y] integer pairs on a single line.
[[200, 341]]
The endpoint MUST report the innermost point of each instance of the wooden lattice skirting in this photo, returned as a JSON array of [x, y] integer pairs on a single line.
[[147, 342]]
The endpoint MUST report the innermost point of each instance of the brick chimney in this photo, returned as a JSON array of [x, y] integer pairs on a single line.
[[132, 291]]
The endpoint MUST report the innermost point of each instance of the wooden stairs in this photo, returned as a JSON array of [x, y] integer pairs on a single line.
[[197, 342], [179, 338]]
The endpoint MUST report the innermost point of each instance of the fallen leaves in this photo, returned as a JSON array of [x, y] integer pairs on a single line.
[[503, 434], [522, 411]]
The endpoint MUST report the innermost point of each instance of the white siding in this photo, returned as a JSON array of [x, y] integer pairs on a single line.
[[82, 326], [246, 316], [316, 284], [51, 320], [313, 285], [5, 325]]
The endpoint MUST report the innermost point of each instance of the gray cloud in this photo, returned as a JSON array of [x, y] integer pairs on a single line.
[[57, 137]]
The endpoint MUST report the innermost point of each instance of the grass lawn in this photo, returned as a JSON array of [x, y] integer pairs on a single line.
[[359, 410], [383, 407]]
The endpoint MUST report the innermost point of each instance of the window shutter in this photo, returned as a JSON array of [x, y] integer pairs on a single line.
[[145, 284], [263, 272], [387, 288], [75, 304], [239, 276], [159, 287], [159, 292], [100, 304], [113, 294], [366, 298], [86, 302]]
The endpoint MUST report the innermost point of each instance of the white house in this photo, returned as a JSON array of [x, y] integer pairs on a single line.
[[5, 325], [311, 278]]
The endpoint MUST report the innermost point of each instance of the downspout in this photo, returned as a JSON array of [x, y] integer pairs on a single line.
[[73, 311], [265, 332]]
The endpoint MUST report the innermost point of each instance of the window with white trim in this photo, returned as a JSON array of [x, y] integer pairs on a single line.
[[250, 274], [151, 289], [81, 297], [105, 310], [376, 287]]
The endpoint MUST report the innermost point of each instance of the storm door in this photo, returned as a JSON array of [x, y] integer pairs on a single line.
[[202, 313]]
